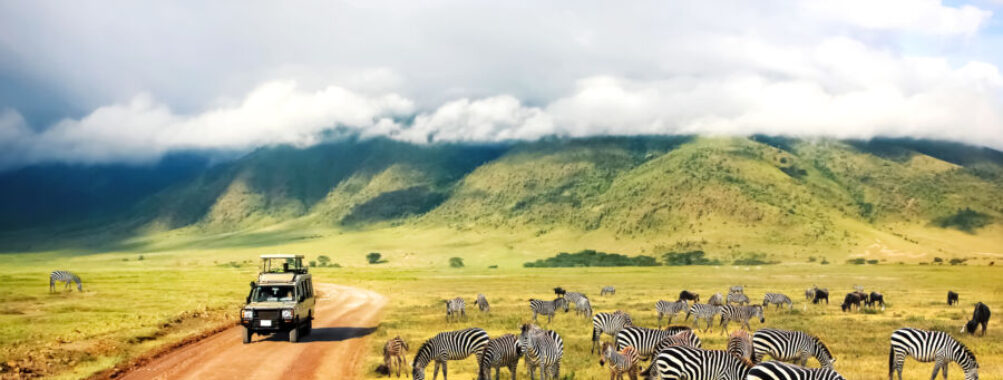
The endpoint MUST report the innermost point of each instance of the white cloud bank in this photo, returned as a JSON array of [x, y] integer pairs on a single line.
[[481, 72]]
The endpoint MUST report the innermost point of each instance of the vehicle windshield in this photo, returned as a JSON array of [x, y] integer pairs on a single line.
[[273, 294]]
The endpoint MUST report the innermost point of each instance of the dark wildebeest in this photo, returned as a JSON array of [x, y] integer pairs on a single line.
[[559, 291], [876, 298], [686, 295], [852, 299], [979, 317], [952, 298], [821, 294]]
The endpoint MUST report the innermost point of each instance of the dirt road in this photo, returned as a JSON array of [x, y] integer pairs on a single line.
[[344, 316]]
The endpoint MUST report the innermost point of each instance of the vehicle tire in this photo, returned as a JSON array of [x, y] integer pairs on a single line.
[[294, 335], [247, 335], [308, 327]]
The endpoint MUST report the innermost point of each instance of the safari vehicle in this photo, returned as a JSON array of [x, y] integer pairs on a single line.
[[281, 300]]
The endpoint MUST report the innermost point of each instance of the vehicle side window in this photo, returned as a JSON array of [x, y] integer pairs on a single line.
[[309, 286]]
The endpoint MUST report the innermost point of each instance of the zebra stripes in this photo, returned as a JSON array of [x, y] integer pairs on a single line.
[[930, 346], [620, 362], [395, 352], [449, 345], [574, 297], [774, 370], [66, 278], [584, 308], [703, 311], [503, 351], [482, 303], [670, 309], [548, 308], [717, 300], [740, 314], [644, 340], [779, 299], [684, 337], [610, 324], [740, 344], [789, 346], [607, 290], [543, 349], [455, 308], [678, 363], [738, 298]]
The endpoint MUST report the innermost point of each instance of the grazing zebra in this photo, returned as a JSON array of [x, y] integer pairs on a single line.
[[740, 314], [670, 309], [774, 370], [643, 339], [736, 289], [543, 349], [584, 308], [717, 300], [930, 346], [574, 297], [608, 290], [952, 298], [548, 308], [455, 308], [503, 351], [684, 337], [678, 363], [395, 352], [620, 362], [66, 278], [738, 298], [610, 324], [740, 344], [790, 346], [778, 299], [449, 345], [703, 311], [482, 303]]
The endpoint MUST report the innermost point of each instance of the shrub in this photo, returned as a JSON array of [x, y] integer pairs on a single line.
[[323, 260], [492, 267], [313, 263], [687, 258], [825, 261], [938, 260], [456, 262], [957, 261], [872, 262], [967, 220], [375, 258], [754, 258], [811, 259], [591, 258], [140, 258], [858, 261], [336, 265]]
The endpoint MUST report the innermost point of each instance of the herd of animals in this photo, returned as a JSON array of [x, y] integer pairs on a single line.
[[675, 352]]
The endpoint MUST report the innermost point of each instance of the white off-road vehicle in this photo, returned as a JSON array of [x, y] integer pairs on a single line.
[[281, 300]]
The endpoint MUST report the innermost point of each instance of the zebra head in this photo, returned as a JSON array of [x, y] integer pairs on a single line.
[[561, 303], [758, 312], [823, 354]]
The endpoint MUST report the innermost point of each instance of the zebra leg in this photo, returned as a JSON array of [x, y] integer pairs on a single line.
[[444, 374], [534, 316], [659, 319], [52, 285]]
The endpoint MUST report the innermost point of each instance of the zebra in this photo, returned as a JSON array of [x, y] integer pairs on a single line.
[[774, 370], [717, 300], [740, 344], [778, 299], [670, 309], [703, 311], [455, 308], [66, 278], [738, 298], [790, 346], [449, 345], [740, 314], [482, 303], [695, 364], [608, 290], [643, 339], [736, 289], [682, 338], [395, 352], [503, 351], [548, 308], [543, 349], [930, 346], [608, 323], [574, 297], [620, 362], [584, 308]]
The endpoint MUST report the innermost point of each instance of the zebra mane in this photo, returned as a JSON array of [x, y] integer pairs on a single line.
[[822, 346], [967, 352], [425, 349]]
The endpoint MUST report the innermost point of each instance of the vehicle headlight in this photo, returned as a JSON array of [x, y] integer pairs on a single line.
[[248, 314], [287, 314]]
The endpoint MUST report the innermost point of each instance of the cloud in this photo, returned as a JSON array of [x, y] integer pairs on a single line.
[[923, 16]]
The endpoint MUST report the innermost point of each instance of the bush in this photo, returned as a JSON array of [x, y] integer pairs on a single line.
[[492, 267], [375, 258], [313, 263], [957, 261], [872, 262], [967, 220], [323, 260], [335, 265], [938, 260], [811, 259], [858, 261], [591, 258], [140, 258], [755, 258], [456, 262], [687, 258], [825, 261]]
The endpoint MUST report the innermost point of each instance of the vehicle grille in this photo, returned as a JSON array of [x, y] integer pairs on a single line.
[[266, 314]]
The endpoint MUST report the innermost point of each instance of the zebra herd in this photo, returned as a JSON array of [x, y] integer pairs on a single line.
[[675, 352]]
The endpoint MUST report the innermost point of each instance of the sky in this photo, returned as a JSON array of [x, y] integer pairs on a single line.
[[97, 82]]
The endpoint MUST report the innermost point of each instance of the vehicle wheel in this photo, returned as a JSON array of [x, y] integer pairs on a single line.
[[308, 328], [294, 335], [247, 335]]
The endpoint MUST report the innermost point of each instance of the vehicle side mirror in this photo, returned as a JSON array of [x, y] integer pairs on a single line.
[[253, 284]]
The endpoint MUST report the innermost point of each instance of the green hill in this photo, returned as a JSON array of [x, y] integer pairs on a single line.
[[892, 199]]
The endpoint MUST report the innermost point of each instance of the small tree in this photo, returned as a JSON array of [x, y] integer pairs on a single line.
[[374, 257], [456, 262], [323, 260], [313, 263]]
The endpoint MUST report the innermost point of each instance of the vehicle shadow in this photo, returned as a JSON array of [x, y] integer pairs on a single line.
[[327, 334]]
